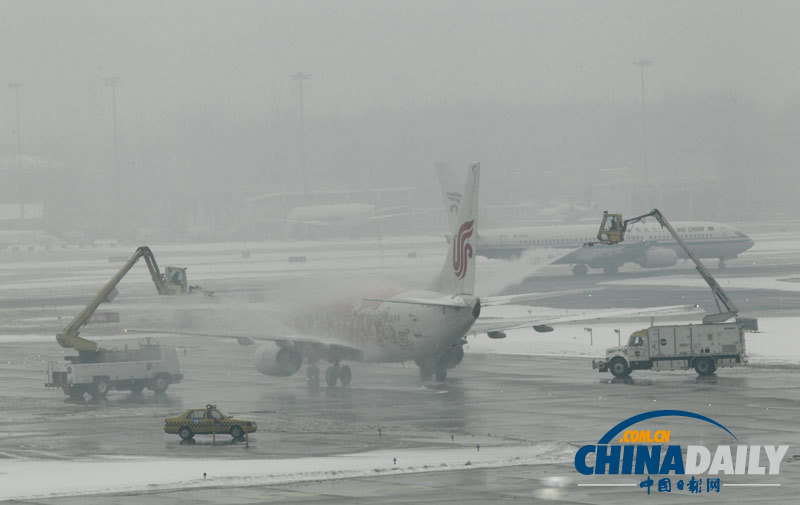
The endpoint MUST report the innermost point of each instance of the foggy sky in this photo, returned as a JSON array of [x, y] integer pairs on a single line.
[[542, 87], [367, 54]]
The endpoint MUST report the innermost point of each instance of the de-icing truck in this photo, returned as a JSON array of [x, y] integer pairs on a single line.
[[95, 370], [717, 342]]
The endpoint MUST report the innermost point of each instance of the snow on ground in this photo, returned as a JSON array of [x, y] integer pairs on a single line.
[[775, 343], [22, 479]]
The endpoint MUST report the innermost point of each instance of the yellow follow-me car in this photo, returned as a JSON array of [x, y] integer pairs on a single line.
[[207, 421]]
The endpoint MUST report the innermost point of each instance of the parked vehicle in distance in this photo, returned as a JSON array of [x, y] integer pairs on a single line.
[[207, 421]]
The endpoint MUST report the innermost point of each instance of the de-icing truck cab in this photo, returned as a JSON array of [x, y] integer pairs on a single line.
[[704, 347]]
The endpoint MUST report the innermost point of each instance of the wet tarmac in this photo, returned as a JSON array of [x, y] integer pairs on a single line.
[[489, 400], [492, 400]]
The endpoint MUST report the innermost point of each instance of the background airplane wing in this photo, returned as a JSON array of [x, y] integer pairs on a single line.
[[543, 324]]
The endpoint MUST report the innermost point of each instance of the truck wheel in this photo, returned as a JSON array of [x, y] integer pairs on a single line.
[[237, 432], [580, 270], [185, 433], [619, 367], [704, 366], [160, 384], [100, 387]]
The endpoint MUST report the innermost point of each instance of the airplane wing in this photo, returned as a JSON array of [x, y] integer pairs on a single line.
[[591, 253], [244, 338], [543, 324], [486, 301], [445, 301]]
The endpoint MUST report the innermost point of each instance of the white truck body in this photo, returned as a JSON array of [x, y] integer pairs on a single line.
[[704, 347], [147, 367]]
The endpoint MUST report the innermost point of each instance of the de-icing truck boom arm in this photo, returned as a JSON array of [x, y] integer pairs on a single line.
[[612, 232], [69, 336]]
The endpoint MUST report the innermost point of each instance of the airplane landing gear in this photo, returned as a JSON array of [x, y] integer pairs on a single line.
[[338, 373], [345, 376], [428, 371], [332, 375]]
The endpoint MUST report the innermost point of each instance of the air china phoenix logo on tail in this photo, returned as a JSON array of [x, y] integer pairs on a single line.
[[462, 250], [456, 199]]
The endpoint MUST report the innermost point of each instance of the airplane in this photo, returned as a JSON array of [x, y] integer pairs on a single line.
[[647, 244], [26, 238], [567, 213], [309, 220], [349, 217], [427, 326]]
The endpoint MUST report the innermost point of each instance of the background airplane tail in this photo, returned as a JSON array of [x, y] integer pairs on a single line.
[[458, 273]]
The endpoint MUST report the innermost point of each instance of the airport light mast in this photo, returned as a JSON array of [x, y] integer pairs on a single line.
[[15, 86], [643, 63], [113, 83], [300, 77]]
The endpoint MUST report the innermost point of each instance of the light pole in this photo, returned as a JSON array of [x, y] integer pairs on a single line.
[[15, 86], [113, 83], [643, 63], [300, 77], [591, 337]]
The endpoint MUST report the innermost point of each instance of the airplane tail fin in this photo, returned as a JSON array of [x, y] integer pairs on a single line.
[[458, 273], [452, 187]]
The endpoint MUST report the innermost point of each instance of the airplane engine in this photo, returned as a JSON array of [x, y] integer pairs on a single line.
[[273, 360], [657, 257]]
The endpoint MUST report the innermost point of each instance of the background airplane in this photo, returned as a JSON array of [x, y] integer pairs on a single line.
[[325, 214], [647, 244], [26, 238]]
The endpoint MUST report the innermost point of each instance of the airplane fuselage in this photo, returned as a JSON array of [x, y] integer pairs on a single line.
[[387, 331]]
